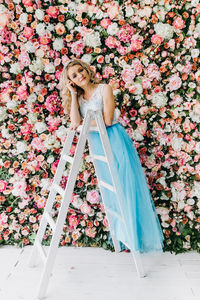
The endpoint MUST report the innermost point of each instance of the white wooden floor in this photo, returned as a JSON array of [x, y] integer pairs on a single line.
[[94, 274]]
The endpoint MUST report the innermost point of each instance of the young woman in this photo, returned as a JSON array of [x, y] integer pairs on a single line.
[[80, 90]]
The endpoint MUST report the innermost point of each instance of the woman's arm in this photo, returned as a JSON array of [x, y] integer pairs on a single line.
[[75, 116]]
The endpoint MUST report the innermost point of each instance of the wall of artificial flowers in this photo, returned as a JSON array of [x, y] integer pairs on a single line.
[[148, 51]]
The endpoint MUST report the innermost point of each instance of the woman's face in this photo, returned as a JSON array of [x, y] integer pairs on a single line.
[[78, 75]]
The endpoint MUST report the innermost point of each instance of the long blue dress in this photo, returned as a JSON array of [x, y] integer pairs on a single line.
[[141, 221]]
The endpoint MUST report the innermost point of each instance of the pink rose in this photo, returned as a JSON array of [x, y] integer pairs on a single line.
[[85, 208], [3, 218], [27, 3], [136, 44], [28, 32], [112, 42], [37, 143], [156, 39], [52, 11], [3, 185], [91, 232], [178, 23], [73, 221], [22, 92], [52, 103], [105, 23], [137, 66]]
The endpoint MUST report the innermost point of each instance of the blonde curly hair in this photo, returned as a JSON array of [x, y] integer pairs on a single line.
[[64, 91]]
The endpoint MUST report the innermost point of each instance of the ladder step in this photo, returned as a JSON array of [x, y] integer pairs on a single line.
[[107, 186], [40, 249], [112, 212], [50, 220], [100, 157], [59, 189], [68, 158]]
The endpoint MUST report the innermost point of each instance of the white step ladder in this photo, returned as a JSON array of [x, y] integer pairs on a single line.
[[66, 194]]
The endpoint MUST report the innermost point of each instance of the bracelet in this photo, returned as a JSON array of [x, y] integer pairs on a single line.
[[74, 93]]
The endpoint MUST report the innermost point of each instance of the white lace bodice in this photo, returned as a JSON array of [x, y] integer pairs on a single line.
[[95, 102]]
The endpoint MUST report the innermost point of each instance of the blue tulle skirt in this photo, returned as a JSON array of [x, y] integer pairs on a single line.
[[141, 230]]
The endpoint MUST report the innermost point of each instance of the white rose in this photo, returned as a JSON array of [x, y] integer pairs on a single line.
[[3, 114], [39, 14], [197, 28], [51, 142], [61, 132], [164, 30], [77, 202], [194, 53], [87, 58], [50, 27], [5, 133], [17, 1], [21, 147], [11, 104], [39, 53], [50, 68], [197, 147], [70, 24], [58, 44], [159, 99], [194, 3], [99, 216], [176, 143], [2, 9], [50, 159], [45, 183], [112, 29], [37, 66], [32, 118], [92, 40], [15, 68], [99, 15], [40, 28], [40, 127], [129, 11], [137, 135], [29, 47], [23, 18]]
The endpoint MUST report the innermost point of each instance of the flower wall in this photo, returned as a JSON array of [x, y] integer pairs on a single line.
[[148, 51]]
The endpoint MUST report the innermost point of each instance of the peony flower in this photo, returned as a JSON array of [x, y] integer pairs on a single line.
[[85, 208], [125, 33], [166, 31], [128, 75], [52, 103], [93, 197], [77, 47], [175, 82]]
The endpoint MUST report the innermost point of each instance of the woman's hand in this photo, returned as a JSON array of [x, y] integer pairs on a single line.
[[71, 86], [74, 126]]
